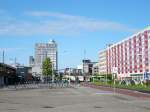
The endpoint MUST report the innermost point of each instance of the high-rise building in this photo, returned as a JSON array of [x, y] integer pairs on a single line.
[[43, 50], [129, 57]]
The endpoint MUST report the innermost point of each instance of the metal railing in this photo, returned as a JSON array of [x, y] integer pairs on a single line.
[[40, 85]]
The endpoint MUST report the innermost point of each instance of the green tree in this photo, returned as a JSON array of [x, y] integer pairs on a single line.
[[47, 67]]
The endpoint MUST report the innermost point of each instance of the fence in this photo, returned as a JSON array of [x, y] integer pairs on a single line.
[[39, 85]]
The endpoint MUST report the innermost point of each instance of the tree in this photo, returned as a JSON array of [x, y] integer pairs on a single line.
[[47, 67]]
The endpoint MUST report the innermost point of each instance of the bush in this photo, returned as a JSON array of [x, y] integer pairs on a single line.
[[147, 83], [138, 87]]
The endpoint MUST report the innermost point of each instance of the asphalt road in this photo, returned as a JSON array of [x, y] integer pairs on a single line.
[[80, 99]]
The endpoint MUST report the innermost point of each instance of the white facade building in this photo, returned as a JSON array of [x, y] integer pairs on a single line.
[[43, 50], [102, 62], [130, 56]]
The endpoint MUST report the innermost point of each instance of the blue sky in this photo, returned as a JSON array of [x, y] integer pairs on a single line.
[[76, 25]]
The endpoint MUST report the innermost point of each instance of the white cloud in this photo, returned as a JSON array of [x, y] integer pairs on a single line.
[[54, 15], [47, 23], [11, 49]]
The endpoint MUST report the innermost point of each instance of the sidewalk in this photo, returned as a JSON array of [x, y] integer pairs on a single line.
[[120, 91]]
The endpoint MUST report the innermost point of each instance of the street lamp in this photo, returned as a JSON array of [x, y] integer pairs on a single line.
[[106, 78], [52, 72], [115, 71], [69, 75]]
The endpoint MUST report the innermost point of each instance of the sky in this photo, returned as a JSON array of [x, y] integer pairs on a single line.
[[76, 25]]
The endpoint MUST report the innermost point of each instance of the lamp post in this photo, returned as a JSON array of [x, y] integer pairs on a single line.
[[106, 78], [52, 72], [115, 71], [69, 75], [114, 82], [3, 56]]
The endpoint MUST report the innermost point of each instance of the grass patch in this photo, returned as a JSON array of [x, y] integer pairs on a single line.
[[138, 87]]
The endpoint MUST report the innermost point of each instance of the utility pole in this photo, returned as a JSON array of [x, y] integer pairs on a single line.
[[3, 56], [84, 64], [114, 76], [69, 75], [84, 54], [15, 61]]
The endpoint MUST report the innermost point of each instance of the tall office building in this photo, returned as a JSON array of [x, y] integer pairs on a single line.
[[43, 50], [130, 57]]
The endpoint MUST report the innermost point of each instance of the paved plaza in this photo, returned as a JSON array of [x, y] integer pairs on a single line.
[[79, 99]]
